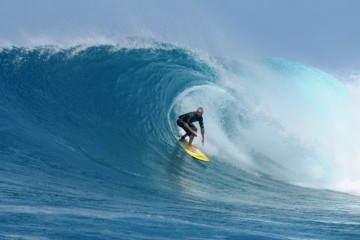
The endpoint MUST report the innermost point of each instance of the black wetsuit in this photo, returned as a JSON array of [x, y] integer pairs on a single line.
[[189, 118]]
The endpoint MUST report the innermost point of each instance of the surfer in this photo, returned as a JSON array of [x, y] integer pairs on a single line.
[[185, 122]]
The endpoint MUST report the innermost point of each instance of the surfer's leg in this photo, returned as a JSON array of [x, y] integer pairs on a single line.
[[192, 135], [191, 140], [187, 132], [183, 137], [181, 124]]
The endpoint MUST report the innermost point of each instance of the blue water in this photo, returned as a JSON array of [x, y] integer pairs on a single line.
[[88, 151]]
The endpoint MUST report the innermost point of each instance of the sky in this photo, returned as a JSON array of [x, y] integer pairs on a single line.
[[321, 33]]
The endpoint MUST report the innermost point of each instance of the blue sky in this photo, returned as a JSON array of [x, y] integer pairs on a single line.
[[323, 33]]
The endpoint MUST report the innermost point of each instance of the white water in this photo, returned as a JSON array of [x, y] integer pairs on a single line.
[[293, 122]]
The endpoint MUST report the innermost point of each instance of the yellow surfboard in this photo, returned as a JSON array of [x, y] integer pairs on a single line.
[[193, 151]]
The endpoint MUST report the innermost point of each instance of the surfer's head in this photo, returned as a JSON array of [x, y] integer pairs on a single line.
[[200, 111]]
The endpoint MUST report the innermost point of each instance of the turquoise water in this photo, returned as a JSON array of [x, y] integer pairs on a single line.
[[88, 148]]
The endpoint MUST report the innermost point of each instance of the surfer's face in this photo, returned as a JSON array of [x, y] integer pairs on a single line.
[[199, 113]]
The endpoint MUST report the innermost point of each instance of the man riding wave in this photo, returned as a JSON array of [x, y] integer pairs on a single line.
[[185, 122]]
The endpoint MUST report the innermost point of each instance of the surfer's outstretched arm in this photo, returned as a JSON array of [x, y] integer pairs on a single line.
[[203, 135]]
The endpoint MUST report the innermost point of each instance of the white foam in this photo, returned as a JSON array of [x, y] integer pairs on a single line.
[[303, 130]]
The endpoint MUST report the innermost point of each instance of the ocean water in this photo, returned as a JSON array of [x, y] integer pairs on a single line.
[[88, 147]]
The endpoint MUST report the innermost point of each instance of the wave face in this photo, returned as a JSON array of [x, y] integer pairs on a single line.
[[88, 147]]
